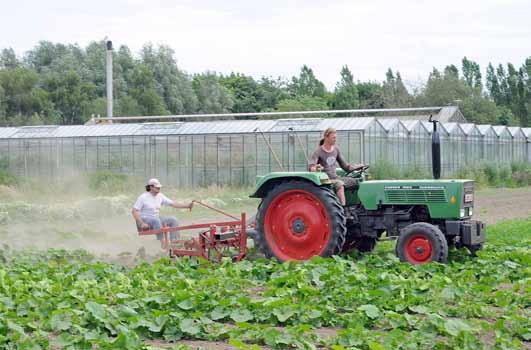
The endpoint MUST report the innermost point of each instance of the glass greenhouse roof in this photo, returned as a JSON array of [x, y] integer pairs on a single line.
[[251, 126], [501, 130], [516, 132], [469, 128], [485, 129]]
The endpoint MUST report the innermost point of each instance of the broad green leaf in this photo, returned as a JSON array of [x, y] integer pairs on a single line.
[[97, 310], [158, 323], [126, 341], [186, 304], [454, 326], [283, 314], [314, 314], [160, 299], [123, 296], [370, 310], [241, 315], [419, 309], [16, 327], [272, 337], [60, 322], [189, 326], [126, 311], [219, 313], [374, 345]]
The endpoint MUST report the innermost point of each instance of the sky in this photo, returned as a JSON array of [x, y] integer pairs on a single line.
[[275, 38]]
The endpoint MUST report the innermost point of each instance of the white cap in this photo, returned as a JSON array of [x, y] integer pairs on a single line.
[[154, 182]]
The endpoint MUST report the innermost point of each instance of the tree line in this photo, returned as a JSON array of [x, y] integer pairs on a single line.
[[56, 83]]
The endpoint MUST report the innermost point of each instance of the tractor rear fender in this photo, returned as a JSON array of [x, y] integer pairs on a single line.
[[266, 182]]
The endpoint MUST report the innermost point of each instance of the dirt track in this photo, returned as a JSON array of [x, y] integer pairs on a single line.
[[493, 205]]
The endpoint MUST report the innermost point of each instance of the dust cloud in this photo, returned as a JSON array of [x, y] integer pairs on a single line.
[[70, 213]]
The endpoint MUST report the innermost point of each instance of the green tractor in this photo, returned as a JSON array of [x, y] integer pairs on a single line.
[[300, 216]]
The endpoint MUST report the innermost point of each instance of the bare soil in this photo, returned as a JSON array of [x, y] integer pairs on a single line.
[[493, 205]]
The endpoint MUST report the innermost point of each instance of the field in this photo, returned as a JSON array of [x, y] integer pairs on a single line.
[[115, 299]]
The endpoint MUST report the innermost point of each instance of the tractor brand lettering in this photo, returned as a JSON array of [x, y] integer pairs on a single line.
[[414, 187]]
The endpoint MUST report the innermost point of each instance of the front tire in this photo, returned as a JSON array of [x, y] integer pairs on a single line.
[[421, 243], [297, 220]]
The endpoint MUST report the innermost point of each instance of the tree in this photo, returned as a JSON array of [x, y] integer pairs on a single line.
[[442, 90], [471, 73], [246, 92], [505, 117], [306, 84], [395, 93], [505, 94], [8, 59], [273, 91], [41, 56], [3, 106], [94, 62], [127, 106], [212, 96], [123, 66], [346, 93], [18, 85], [172, 84], [70, 96], [371, 95], [493, 85], [143, 90], [479, 110], [302, 103]]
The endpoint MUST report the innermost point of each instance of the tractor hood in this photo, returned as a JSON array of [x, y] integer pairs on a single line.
[[444, 198]]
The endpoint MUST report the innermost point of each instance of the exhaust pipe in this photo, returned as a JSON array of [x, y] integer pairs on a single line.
[[435, 150]]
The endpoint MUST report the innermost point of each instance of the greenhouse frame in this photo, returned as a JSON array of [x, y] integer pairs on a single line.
[[234, 152]]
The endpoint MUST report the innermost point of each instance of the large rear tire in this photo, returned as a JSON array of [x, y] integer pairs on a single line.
[[421, 243], [297, 220]]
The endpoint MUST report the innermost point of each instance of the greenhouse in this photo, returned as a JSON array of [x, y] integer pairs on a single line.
[[527, 133], [519, 143], [234, 152], [504, 144], [472, 142]]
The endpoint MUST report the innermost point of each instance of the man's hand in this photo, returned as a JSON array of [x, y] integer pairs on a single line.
[[144, 226]]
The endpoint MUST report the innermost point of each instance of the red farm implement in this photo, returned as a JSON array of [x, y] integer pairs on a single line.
[[212, 240]]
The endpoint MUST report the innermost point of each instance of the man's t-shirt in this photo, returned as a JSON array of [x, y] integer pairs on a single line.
[[149, 205], [328, 161]]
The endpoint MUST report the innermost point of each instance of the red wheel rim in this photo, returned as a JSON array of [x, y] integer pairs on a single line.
[[296, 225], [418, 249]]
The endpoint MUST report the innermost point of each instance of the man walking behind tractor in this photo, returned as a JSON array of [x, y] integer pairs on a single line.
[[147, 207]]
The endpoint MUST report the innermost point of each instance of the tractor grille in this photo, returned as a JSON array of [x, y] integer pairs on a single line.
[[416, 196]]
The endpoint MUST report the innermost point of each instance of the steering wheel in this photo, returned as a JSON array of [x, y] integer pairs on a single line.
[[358, 170]]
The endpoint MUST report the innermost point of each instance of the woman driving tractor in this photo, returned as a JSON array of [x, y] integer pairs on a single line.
[[325, 158]]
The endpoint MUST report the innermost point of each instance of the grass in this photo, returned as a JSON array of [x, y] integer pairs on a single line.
[[488, 174]]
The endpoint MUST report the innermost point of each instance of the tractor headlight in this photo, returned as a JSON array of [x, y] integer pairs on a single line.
[[462, 213], [470, 211]]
